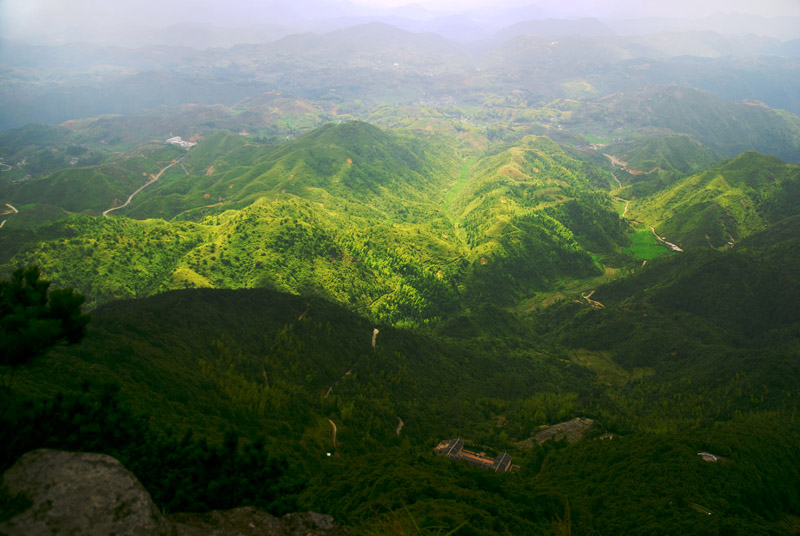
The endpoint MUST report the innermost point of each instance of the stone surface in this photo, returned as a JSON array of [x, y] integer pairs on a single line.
[[56, 492]]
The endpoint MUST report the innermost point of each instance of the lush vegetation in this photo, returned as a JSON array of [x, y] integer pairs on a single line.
[[32, 318], [396, 226], [259, 364], [409, 243], [724, 203]]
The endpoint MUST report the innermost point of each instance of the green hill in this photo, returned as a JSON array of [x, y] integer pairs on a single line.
[[724, 203], [665, 152], [381, 221], [530, 213], [353, 162]]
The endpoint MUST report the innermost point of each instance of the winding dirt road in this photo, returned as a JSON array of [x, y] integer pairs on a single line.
[[15, 212], [333, 430], [672, 246], [142, 187]]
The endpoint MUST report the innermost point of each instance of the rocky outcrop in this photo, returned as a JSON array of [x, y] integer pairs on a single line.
[[55, 492], [50, 492]]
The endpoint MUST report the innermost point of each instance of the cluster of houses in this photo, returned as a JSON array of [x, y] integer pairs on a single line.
[[454, 449], [176, 140]]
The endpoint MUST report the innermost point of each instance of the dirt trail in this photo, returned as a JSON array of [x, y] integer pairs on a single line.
[[616, 161], [588, 297], [400, 425], [616, 179], [627, 204], [142, 187], [12, 208], [333, 431], [672, 246], [330, 389], [624, 165]]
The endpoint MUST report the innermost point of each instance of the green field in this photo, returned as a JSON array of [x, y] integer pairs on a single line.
[[645, 245]]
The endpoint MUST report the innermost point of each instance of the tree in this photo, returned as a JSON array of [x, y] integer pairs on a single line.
[[33, 318]]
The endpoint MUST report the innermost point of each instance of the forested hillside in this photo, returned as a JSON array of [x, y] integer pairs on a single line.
[[724, 203], [290, 370], [396, 226]]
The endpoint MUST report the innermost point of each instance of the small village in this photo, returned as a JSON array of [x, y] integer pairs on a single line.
[[176, 140]]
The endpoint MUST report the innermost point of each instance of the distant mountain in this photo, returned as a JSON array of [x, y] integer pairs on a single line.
[[732, 25], [371, 41], [788, 48], [555, 28], [727, 128], [127, 94]]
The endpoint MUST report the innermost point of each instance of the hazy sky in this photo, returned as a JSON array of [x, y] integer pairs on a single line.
[[67, 19], [688, 8]]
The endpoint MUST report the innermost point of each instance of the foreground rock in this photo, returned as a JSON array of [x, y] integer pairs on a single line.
[[55, 492], [51, 492]]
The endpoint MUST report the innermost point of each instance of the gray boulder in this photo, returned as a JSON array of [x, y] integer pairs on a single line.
[[54, 492], [50, 492]]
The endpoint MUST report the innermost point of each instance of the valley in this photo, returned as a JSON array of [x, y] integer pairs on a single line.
[[578, 252]]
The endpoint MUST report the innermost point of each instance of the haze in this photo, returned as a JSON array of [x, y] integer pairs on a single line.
[[151, 21]]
